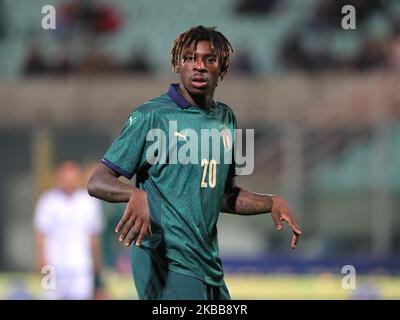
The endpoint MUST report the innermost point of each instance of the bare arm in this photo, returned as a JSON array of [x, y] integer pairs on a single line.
[[105, 185], [96, 253], [99, 288], [40, 256], [239, 201]]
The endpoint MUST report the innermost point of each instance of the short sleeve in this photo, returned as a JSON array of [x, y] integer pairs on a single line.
[[43, 216], [96, 217], [126, 152]]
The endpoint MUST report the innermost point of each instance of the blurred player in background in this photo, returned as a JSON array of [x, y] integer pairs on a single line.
[[100, 292], [172, 213], [68, 223]]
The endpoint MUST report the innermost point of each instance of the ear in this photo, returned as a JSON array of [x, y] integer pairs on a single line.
[[176, 68]]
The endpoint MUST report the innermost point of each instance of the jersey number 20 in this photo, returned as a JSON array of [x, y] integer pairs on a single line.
[[212, 173]]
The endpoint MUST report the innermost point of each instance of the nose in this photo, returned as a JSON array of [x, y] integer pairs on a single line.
[[199, 65]]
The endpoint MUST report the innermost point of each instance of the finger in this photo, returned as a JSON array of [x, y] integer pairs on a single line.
[[123, 220], [291, 220], [133, 232], [143, 232], [293, 224], [277, 221], [125, 230], [296, 229], [295, 239]]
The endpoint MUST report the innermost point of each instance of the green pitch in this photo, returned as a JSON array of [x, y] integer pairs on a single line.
[[241, 286]]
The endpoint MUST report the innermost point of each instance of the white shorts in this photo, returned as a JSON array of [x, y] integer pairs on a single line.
[[71, 286]]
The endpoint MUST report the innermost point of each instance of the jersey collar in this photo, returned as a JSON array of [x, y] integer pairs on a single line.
[[174, 94]]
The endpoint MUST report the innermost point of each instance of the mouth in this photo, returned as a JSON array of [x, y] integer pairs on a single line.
[[198, 81]]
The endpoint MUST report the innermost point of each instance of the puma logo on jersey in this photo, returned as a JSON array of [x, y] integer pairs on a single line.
[[131, 120], [181, 135]]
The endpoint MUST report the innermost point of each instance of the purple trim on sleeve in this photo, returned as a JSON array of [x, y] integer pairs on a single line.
[[115, 168]]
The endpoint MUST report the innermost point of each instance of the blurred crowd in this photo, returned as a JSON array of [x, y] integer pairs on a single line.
[[84, 23], [318, 44], [375, 43]]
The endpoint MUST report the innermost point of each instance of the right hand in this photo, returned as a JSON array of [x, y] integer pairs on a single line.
[[136, 219]]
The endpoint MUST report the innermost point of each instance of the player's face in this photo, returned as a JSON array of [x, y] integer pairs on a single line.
[[69, 177], [199, 69]]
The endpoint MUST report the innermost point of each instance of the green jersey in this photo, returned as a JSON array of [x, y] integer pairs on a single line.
[[182, 176]]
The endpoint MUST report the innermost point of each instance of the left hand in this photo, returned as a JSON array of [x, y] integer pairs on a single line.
[[280, 212]]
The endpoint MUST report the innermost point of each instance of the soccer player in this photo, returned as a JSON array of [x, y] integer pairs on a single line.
[[68, 223], [172, 212]]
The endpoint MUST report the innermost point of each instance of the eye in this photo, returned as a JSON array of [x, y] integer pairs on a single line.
[[210, 60], [188, 58]]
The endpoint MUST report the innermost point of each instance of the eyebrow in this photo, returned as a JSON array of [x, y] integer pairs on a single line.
[[192, 52]]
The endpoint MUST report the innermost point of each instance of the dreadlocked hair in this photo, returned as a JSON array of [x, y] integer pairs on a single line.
[[221, 46]]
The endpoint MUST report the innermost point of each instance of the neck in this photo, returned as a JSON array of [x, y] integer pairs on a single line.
[[68, 192], [203, 101]]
